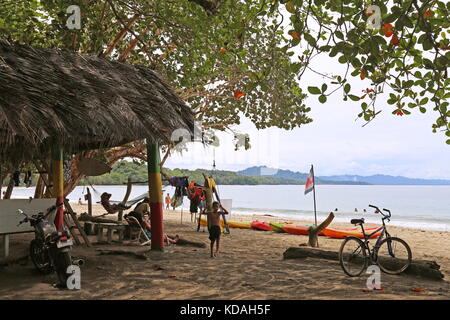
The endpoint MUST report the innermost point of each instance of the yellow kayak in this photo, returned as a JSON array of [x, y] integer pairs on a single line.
[[204, 223], [239, 225], [231, 224]]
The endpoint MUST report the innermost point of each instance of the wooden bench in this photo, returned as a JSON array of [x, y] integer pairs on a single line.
[[110, 228]]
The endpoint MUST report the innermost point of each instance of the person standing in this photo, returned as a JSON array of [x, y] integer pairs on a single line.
[[167, 201], [214, 227]]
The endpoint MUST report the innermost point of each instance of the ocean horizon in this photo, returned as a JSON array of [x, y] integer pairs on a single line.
[[419, 207]]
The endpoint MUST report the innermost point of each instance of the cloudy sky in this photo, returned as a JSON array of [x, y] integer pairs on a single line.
[[334, 142]]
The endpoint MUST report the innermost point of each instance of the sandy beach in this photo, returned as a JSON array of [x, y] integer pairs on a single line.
[[250, 266]]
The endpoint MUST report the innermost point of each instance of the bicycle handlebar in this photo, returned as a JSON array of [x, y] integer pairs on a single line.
[[379, 211]]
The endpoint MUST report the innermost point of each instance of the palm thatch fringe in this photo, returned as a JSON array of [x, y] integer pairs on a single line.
[[81, 102]]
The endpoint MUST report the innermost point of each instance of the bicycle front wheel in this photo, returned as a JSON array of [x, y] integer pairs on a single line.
[[394, 255], [353, 257]]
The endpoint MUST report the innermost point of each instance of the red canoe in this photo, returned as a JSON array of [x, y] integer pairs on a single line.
[[299, 230], [258, 225]]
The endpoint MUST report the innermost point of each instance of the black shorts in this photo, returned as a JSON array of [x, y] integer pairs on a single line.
[[214, 232]]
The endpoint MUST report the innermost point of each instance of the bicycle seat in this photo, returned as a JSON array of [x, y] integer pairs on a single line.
[[357, 221]]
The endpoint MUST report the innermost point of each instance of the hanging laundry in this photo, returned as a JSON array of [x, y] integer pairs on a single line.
[[16, 178], [28, 178]]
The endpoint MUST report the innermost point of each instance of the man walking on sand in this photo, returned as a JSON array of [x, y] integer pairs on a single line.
[[214, 227]]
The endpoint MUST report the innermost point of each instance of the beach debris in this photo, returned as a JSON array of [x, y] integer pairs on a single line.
[[371, 290], [418, 290], [172, 276], [158, 268]]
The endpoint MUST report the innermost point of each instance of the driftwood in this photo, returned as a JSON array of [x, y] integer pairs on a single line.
[[313, 233], [184, 242], [424, 268], [137, 255]]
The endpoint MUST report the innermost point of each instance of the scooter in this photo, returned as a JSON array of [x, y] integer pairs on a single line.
[[50, 249]]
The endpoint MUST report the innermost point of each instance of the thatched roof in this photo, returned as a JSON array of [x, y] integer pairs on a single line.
[[82, 102]]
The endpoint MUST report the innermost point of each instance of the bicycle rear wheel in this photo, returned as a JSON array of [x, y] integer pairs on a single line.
[[353, 256], [394, 255]]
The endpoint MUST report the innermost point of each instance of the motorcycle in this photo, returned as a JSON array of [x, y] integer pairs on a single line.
[[50, 249]]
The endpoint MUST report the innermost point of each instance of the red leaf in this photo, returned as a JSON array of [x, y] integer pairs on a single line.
[[363, 74], [387, 29], [238, 94], [445, 48], [222, 50], [427, 14], [394, 40], [294, 35]]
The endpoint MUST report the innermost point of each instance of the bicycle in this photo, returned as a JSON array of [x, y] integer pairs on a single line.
[[393, 255]]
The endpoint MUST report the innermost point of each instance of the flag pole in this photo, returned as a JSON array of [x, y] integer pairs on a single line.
[[314, 194]]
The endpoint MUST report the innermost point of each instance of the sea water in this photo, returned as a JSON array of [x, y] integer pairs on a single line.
[[421, 207]]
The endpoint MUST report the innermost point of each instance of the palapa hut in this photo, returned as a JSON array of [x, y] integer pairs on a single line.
[[52, 100]]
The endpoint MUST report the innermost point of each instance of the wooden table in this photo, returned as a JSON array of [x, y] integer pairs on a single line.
[[110, 227]]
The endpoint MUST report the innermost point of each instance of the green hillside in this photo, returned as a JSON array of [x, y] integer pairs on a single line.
[[138, 172]]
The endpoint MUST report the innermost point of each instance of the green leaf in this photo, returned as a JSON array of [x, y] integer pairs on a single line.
[[324, 87], [342, 59], [314, 90], [353, 97], [347, 88], [424, 101], [290, 6], [322, 98], [295, 67]]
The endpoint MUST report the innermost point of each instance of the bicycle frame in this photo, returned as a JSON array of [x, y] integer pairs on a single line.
[[384, 233]]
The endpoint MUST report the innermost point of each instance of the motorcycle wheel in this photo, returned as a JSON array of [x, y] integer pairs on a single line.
[[63, 261], [40, 258]]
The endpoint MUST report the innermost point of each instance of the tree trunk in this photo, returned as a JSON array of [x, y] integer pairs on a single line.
[[314, 232], [1, 181], [10, 188], [40, 186], [424, 268]]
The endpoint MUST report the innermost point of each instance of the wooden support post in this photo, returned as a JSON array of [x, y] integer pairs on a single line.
[[1, 181], [5, 245], [58, 184], [88, 197], [155, 193], [9, 188], [125, 198], [39, 190]]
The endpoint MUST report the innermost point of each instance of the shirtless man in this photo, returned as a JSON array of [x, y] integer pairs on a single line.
[[214, 228]]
